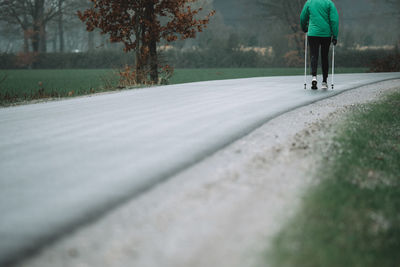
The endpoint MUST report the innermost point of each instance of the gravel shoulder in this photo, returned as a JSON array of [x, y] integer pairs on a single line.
[[224, 210]]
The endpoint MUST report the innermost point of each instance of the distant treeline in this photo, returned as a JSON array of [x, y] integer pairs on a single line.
[[249, 59], [207, 58]]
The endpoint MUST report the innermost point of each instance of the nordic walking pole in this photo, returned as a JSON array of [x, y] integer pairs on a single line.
[[305, 64], [333, 66]]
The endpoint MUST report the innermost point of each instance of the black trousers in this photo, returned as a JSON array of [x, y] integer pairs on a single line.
[[315, 44]]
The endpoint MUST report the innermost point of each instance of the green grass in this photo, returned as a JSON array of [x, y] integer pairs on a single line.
[[26, 82], [22, 85], [352, 218]]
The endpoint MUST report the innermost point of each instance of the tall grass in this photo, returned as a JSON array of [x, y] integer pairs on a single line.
[[352, 218]]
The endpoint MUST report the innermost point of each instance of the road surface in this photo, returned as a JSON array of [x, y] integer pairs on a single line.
[[65, 163]]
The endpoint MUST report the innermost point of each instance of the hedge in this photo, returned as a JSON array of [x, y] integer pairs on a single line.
[[206, 58]]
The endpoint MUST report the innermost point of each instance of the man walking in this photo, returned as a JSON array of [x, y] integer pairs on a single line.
[[321, 20]]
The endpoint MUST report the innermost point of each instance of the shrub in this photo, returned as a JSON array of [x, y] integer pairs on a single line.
[[390, 63], [293, 59], [7, 61]]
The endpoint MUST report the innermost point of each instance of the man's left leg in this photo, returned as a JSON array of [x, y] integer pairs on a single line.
[[314, 52]]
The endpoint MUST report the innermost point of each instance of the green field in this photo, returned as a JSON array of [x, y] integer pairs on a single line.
[[29, 82], [20, 85]]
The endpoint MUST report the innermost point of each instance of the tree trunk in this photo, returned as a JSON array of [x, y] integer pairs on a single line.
[[38, 30], [35, 38], [43, 38], [25, 29], [144, 53], [26, 41], [138, 67], [61, 26], [152, 43], [153, 61], [138, 51]]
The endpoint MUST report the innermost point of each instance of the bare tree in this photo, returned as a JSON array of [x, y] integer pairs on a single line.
[[32, 16], [68, 22], [396, 7], [66, 9], [286, 12], [394, 12], [10, 13]]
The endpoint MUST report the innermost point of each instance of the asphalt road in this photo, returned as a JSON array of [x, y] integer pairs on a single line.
[[64, 163]]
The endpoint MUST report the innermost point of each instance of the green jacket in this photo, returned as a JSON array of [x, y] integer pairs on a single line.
[[320, 18]]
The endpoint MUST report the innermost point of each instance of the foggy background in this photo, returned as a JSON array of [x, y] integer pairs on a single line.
[[240, 28]]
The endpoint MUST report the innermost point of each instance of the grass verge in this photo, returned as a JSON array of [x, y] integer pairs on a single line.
[[352, 217], [25, 85]]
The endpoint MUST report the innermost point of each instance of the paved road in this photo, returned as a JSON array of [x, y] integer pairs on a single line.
[[64, 163]]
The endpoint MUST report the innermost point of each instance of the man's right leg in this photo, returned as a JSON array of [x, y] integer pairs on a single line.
[[314, 52], [325, 44]]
